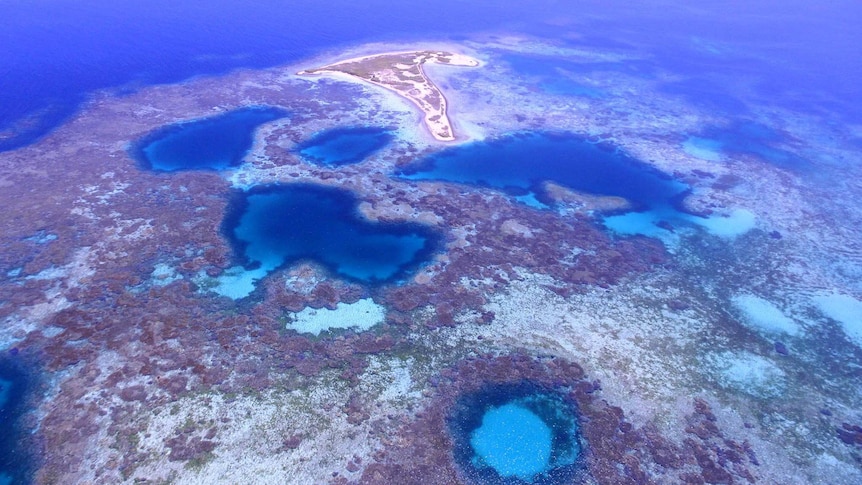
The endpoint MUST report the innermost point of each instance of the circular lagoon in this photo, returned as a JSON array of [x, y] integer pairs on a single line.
[[516, 433]]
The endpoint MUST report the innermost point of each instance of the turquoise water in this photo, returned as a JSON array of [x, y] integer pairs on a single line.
[[214, 143], [277, 225], [519, 164], [514, 441], [343, 146], [516, 433]]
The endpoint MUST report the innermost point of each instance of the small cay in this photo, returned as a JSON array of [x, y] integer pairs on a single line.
[[402, 73]]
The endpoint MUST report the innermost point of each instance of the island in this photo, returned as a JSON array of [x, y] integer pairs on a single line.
[[402, 73]]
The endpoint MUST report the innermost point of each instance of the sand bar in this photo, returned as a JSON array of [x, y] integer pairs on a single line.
[[402, 73]]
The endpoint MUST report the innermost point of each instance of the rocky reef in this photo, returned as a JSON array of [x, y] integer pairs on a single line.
[[659, 341]]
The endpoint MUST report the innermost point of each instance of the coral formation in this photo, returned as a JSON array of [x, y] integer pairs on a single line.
[[105, 279]]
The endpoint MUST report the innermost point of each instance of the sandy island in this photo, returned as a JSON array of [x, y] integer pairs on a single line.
[[402, 73]]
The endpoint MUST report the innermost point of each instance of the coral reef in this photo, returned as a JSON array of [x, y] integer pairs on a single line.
[[104, 286], [616, 452]]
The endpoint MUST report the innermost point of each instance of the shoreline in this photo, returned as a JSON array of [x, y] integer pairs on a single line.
[[402, 73]]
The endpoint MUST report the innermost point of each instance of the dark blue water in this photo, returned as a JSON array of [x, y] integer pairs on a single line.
[[519, 164], [343, 146], [15, 462], [516, 433], [277, 225], [213, 143], [51, 62], [56, 52]]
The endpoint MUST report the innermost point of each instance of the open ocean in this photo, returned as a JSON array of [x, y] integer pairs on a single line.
[[639, 261], [58, 52]]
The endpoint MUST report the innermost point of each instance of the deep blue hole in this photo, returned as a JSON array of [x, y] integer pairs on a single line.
[[275, 226], [16, 465], [517, 433], [519, 164], [343, 146], [214, 143]]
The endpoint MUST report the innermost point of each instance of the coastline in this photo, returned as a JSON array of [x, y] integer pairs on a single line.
[[398, 77]]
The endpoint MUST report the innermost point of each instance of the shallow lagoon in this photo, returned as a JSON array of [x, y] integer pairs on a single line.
[[343, 146], [514, 441], [214, 143], [277, 225]]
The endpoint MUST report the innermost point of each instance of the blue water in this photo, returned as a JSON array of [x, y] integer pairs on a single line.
[[750, 138], [795, 54], [277, 225], [343, 146], [549, 68], [213, 143], [514, 441], [567, 87], [519, 164], [559, 76], [15, 463], [53, 62], [521, 432], [57, 52], [707, 94]]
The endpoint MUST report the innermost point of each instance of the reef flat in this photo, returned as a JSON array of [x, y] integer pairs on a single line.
[[402, 73], [686, 353]]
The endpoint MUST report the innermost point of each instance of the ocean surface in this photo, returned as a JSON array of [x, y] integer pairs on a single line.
[[59, 52], [640, 261]]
